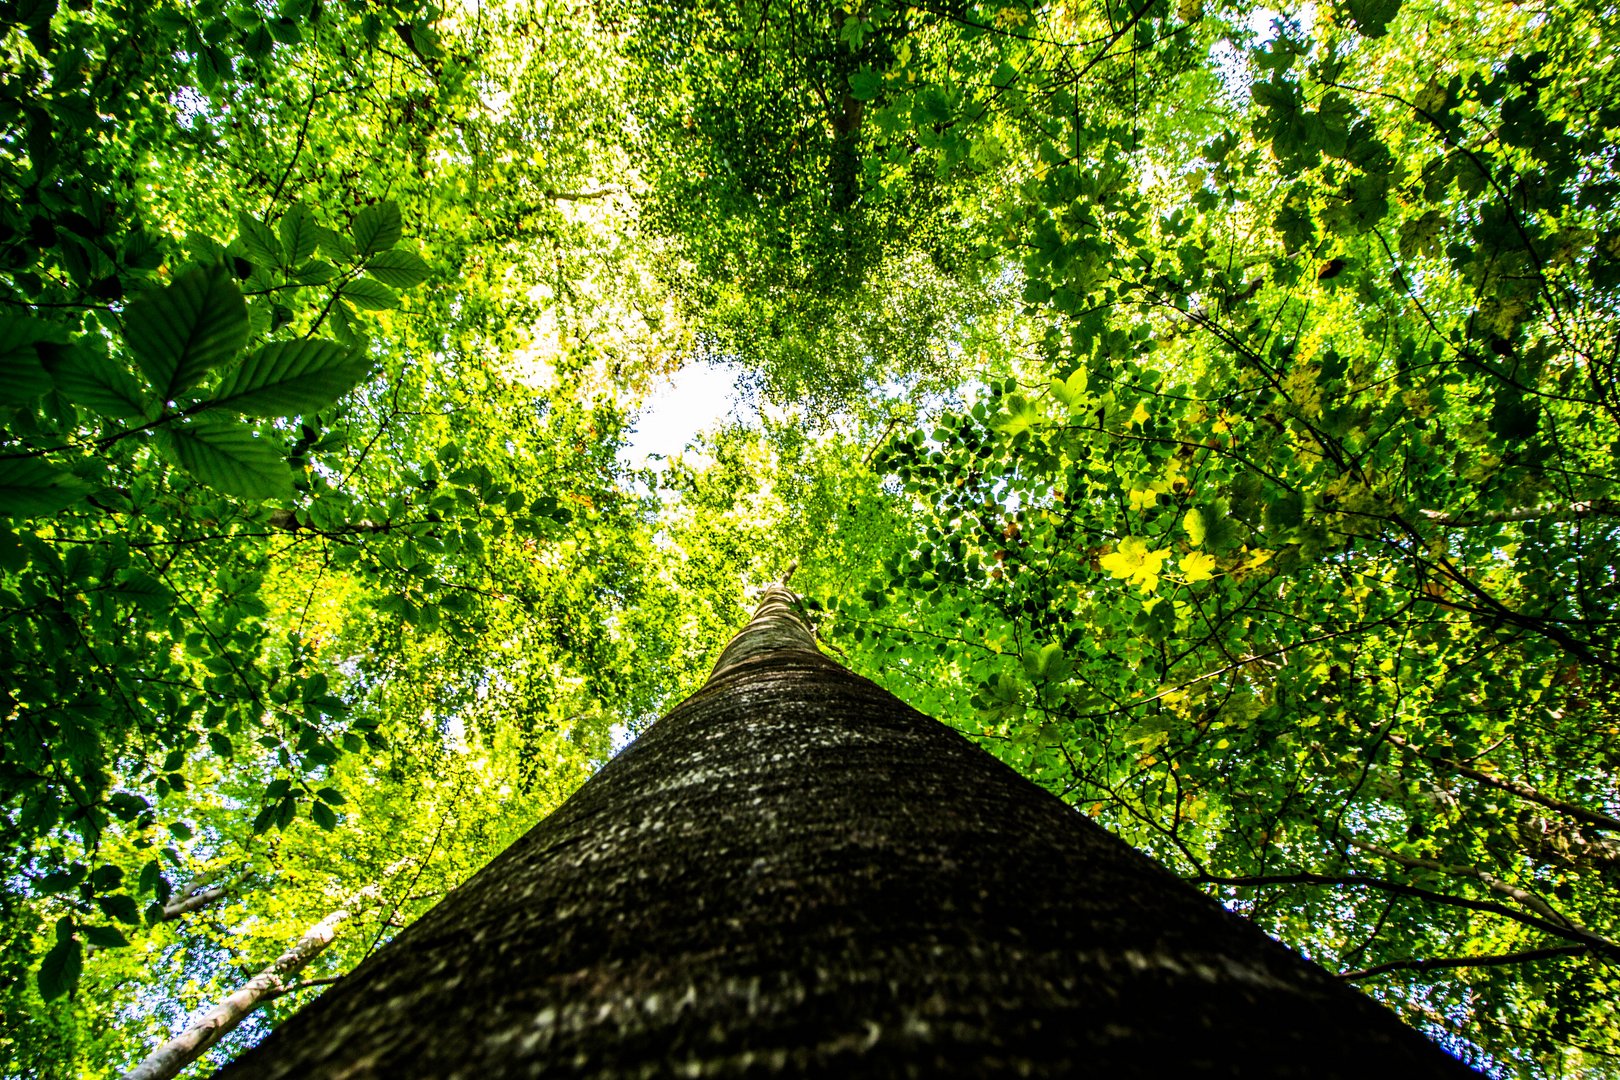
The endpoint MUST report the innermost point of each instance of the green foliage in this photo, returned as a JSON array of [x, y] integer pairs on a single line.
[[1312, 480], [1210, 409]]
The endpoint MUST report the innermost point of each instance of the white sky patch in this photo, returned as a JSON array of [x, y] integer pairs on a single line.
[[697, 397]]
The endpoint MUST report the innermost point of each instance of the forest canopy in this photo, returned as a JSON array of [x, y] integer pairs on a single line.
[[1210, 409]]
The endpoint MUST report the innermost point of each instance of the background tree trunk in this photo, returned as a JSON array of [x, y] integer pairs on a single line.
[[223, 1017], [793, 871]]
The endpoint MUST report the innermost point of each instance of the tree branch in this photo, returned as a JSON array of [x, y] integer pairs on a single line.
[[1491, 881], [1596, 819], [1438, 963], [1570, 512], [1569, 933]]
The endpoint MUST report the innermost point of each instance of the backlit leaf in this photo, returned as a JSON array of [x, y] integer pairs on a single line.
[[230, 457], [99, 382], [30, 487], [299, 234], [400, 268], [59, 972], [289, 377], [376, 228], [370, 295], [22, 375], [181, 332]]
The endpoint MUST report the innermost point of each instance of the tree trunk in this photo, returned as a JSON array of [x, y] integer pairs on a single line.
[[193, 899], [794, 872], [211, 1026]]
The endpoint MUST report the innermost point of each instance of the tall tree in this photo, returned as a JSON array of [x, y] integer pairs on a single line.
[[793, 870]]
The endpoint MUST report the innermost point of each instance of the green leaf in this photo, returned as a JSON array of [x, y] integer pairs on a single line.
[[261, 244], [371, 295], [315, 272], [120, 906], [229, 457], [1196, 527], [865, 84], [289, 377], [1022, 414], [299, 234], [60, 881], [1295, 227], [101, 383], [145, 590], [22, 376], [1071, 391], [400, 268], [324, 815], [377, 228], [220, 744], [343, 325], [59, 971], [181, 332], [331, 795], [1372, 17], [106, 937], [29, 487]]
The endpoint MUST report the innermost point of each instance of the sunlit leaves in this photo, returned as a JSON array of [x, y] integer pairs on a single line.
[[1193, 522], [179, 332], [1197, 566]]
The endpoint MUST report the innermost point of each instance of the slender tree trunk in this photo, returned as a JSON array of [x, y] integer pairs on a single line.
[[793, 872], [192, 900], [214, 1024]]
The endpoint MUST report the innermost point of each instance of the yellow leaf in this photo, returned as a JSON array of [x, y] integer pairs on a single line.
[[1198, 566], [1143, 499], [1134, 562], [1140, 415], [1194, 524]]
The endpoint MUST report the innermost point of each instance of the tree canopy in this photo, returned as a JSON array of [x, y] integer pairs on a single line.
[[1210, 408]]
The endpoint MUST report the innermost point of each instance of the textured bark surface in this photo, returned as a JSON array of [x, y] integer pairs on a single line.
[[794, 872]]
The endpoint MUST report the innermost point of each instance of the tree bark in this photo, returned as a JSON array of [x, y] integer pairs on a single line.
[[793, 872], [192, 900], [214, 1024]]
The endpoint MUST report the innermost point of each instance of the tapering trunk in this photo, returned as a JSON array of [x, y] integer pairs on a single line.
[[795, 872]]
